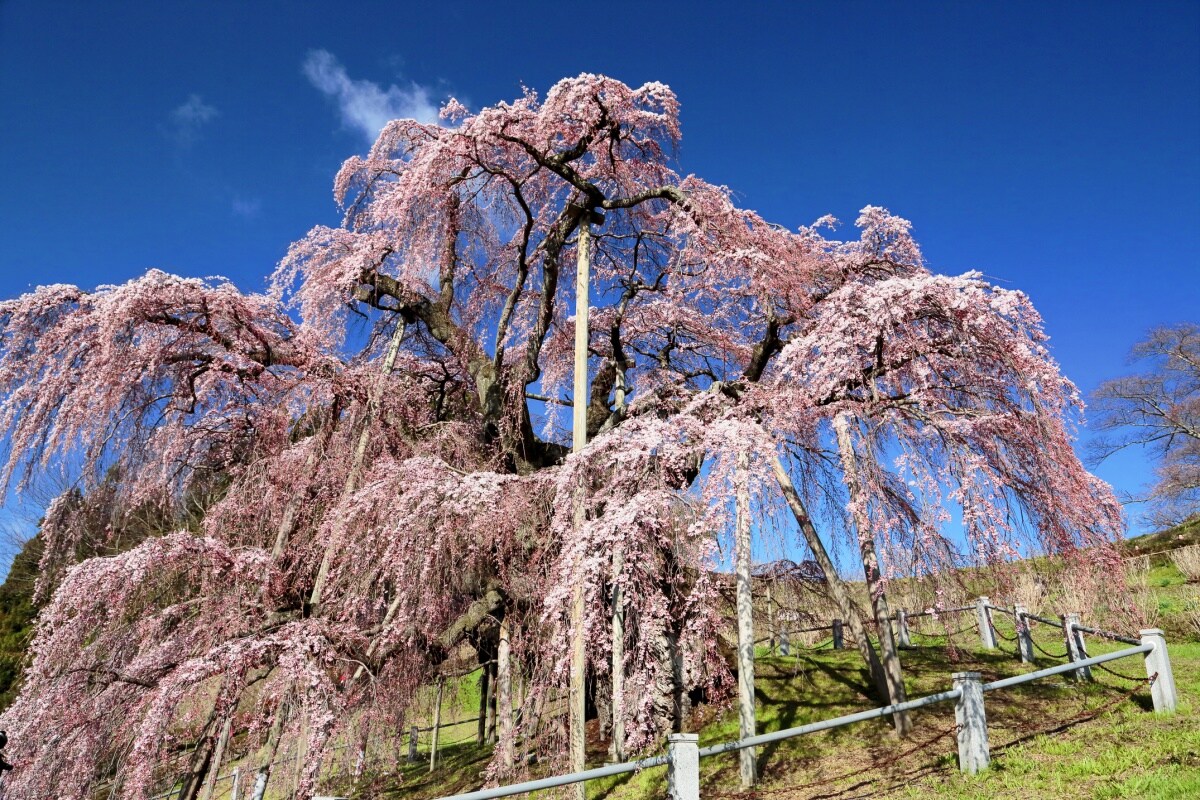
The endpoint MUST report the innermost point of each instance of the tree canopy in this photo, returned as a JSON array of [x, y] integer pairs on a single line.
[[378, 445]]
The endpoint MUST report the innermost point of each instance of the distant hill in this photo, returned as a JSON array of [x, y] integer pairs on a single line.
[[1182, 535]]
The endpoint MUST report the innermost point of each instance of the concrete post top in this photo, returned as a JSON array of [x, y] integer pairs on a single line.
[[966, 676], [683, 738], [1150, 632], [983, 598]]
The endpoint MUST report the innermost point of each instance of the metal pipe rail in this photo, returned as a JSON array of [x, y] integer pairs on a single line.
[[683, 756], [826, 724], [1070, 666], [565, 780], [1044, 620], [1116, 637], [442, 725], [942, 611]]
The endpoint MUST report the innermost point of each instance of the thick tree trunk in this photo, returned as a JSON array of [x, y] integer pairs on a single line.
[[745, 619], [838, 589], [870, 561]]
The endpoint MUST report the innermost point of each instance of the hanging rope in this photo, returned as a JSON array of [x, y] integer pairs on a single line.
[[1045, 652]]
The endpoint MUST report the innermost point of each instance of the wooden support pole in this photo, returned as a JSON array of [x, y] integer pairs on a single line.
[[576, 701], [493, 691], [618, 656], [892, 674], [263, 776], [485, 681], [504, 700], [837, 587], [745, 622], [437, 722], [770, 614], [301, 753], [210, 783]]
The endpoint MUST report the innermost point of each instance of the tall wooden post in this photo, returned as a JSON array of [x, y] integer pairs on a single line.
[[770, 614], [437, 723], [356, 465], [893, 677], [837, 588], [618, 612], [745, 619], [222, 742], [485, 689], [618, 657], [263, 776], [490, 738], [504, 702], [579, 399], [301, 752]]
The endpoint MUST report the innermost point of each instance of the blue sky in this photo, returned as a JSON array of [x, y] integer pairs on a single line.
[[1055, 147]]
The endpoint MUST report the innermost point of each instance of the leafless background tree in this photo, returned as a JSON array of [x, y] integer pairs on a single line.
[[1158, 408]]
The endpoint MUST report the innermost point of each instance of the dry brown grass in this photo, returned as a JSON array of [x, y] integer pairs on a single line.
[[1029, 590], [1187, 561]]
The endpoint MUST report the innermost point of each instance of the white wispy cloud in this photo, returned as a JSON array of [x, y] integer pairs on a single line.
[[364, 105], [247, 207], [187, 120]]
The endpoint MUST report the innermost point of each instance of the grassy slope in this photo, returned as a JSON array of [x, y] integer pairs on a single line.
[[1051, 736]]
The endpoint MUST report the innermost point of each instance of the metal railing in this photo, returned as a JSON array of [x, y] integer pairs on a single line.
[[683, 753], [1078, 662]]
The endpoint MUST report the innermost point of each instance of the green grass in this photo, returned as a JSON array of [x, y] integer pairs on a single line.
[[1053, 736]]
